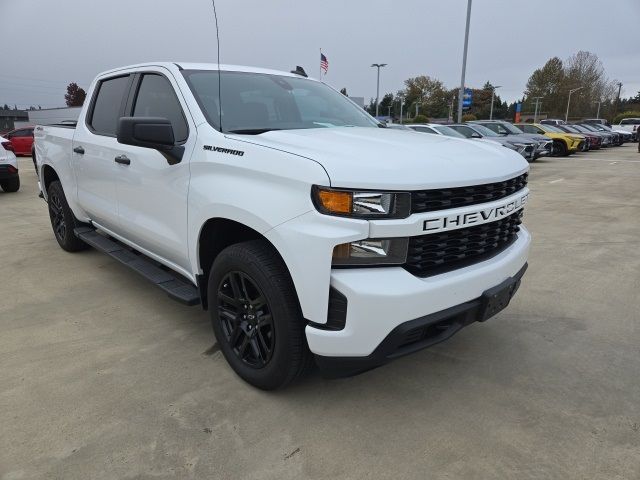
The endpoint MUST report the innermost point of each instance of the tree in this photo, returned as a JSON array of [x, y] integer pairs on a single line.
[[429, 93], [75, 95], [344, 91]]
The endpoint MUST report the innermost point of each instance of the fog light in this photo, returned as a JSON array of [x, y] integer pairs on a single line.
[[372, 251]]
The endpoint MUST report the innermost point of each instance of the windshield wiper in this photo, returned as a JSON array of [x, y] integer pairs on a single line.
[[252, 131]]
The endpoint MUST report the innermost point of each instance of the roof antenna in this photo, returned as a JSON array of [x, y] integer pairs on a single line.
[[215, 14]]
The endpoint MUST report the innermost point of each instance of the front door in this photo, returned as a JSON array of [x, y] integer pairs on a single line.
[[152, 194]]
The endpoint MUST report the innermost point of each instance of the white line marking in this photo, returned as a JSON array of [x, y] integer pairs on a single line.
[[557, 180]]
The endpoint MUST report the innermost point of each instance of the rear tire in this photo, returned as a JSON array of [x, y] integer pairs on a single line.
[[63, 221], [10, 185], [256, 316]]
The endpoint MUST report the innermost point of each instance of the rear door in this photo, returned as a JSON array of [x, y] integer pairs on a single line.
[[152, 194], [95, 148]]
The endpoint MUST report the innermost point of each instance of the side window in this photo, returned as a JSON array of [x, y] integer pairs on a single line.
[[106, 109], [423, 129], [156, 98]]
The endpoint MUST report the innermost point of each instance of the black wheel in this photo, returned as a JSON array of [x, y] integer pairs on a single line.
[[62, 219], [561, 149], [10, 185], [256, 316]]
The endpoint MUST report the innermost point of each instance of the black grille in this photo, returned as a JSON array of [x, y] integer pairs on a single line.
[[441, 252], [444, 198]]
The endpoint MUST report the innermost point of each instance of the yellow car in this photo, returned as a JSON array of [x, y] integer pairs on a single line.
[[563, 143]]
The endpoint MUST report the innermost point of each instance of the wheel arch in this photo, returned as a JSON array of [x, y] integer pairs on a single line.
[[47, 176], [215, 235]]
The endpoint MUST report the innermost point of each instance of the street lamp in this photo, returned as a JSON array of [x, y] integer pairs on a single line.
[[535, 113], [464, 62], [493, 94], [598, 112], [401, 104], [566, 117], [378, 66]]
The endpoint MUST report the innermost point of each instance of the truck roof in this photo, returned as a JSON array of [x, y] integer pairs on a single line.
[[176, 66]]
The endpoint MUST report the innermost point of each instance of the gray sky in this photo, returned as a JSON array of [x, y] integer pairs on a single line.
[[49, 43]]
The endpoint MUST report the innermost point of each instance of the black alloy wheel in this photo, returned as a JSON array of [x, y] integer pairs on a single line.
[[56, 213], [246, 319]]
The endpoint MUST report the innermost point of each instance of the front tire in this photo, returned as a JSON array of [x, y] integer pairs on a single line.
[[63, 221], [561, 149], [256, 316], [10, 185]]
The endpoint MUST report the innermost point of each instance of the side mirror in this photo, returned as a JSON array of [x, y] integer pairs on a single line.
[[150, 132]]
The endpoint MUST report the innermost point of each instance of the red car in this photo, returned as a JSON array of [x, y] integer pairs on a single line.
[[21, 140]]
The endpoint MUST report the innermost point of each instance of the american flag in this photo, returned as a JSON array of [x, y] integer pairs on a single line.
[[324, 63]]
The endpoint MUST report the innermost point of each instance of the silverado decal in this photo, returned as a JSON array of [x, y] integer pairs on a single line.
[[224, 150], [480, 216]]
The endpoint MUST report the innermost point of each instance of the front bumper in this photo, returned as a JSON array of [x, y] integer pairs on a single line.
[[381, 299], [415, 335]]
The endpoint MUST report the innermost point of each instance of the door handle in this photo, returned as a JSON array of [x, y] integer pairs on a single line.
[[79, 150], [123, 159]]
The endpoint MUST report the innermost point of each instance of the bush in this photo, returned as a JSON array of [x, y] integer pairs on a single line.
[[620, 116], [468, 117], [420, 119]]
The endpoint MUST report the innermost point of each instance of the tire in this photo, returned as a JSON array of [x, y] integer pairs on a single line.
[[10, 185], [266, 347], [62, 219], [561, 149]]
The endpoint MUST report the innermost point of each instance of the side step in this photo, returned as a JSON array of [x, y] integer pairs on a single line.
[[175, 287]]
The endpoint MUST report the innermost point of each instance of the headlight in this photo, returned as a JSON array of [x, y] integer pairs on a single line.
[[361, 204], [372, 251]]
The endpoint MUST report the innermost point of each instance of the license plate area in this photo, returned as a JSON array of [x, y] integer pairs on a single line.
[[497, 298]]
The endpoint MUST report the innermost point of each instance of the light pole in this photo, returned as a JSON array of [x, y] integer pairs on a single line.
[[378, 66], [566, 116], [615, 111], [401, 104], [535, 113], [493, 94], [598, 112], [389, 113], [464, 62]]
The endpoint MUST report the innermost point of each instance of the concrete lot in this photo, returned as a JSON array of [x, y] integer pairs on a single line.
[[103, 376]]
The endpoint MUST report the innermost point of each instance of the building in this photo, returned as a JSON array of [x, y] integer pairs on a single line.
[[8, 119], [49, 116]]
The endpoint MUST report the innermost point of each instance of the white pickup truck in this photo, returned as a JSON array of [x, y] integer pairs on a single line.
[[630, 125], [307, 230]]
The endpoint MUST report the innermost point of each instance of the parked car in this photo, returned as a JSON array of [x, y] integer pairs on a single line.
[[307, 236], [631, 125], [564, 144], [606, 138], [625, 136], [21, 140], [9, 176], [552, 121], [436, 129], [481, 133], [597, 121], [592, 141], [544, 145], [616, 139]]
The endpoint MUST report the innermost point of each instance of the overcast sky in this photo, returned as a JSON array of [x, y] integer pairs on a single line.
[[48, 43]]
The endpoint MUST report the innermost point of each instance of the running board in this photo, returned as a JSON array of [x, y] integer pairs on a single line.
[[176, 288]]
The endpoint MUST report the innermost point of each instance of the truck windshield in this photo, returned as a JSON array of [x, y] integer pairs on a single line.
[[254, 103]]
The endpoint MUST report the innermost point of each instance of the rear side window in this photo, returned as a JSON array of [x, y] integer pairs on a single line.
[[630, 121], [156, 98], [106, 109]]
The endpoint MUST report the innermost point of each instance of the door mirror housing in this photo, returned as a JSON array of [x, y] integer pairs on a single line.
[[150, 132]]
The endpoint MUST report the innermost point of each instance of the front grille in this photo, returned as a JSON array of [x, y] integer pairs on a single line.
[[441, 252], [444, 198]]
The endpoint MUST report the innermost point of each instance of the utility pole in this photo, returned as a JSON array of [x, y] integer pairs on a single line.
[[598, 112], [451, 109], [615, 112], [378, 66], [464, 62], [493, 94], [535, 113], [566, 117]]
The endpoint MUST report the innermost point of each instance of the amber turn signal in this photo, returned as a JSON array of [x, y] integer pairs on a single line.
[[333, 201]]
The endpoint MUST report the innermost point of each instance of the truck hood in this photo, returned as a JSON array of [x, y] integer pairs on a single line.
[[380, 158]]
